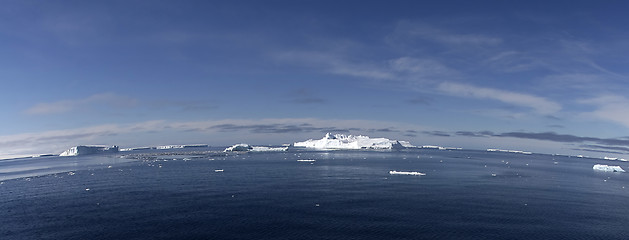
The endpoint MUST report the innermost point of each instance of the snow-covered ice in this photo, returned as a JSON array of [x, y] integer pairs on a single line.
[[607, 168], [392, 172], [243, 147], [90, 149], [134, 149], [341, 141], [268, 149]]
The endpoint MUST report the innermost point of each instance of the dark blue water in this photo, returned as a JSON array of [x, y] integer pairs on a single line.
[[343, 195]]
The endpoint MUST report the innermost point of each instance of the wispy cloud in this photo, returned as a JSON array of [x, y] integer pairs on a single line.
[[64, 106], [436, 133], [305, 96], [335, 64], [539, 104], [549, 136], [443, 36], [277, 128], [475, 134], [612, 108], [420, 100]]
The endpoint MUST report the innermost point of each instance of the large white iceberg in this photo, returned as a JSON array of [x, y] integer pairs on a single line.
[[606, 168], [341, 141], [90, 149], [243, 147]]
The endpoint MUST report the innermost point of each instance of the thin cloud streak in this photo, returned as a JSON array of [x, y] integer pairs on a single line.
[[539, 104], [408, 29], [611, 108], [64, 106]]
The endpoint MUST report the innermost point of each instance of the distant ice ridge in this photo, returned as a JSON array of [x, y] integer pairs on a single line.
[[134, 149], [607, 168], [180, 146], [341, 141], [89, 149], [509, 151], [243, 147], [441, 148]]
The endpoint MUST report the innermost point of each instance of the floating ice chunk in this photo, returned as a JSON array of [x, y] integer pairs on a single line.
[[341, 141], [607, 168], [508, 151], [243, 147], [392, 172], [268, 149], [306, 160], [219, 170]]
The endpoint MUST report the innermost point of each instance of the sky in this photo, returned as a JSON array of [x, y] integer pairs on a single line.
[[541, 76]]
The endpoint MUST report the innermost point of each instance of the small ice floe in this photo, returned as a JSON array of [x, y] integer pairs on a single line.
[[87, 189], [306, 160], [71, 173], [219, 170], [493, 174], [607, 168], [392, 172]]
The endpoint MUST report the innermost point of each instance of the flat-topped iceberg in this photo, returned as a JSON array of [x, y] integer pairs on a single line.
[[341, 141], [87, 150], [607, 168], [393, 172], [243, 147]]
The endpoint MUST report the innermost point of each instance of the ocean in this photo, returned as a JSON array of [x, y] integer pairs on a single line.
[[206, 194]]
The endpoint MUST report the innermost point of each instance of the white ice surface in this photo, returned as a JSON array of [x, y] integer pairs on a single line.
[[392, 172], [341, 141], [91, 149], [243, 147], [607, 168]]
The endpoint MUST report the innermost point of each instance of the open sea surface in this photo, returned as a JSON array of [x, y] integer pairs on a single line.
[[465, 194]]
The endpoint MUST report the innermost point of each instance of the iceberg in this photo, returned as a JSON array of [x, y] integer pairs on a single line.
[[88, 149], [341, 141], [393, 172], [243, 147], [268, 149], [134, 149], [607, 168]]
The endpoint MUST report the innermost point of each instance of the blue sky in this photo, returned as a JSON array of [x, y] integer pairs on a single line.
[[530, 75]]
